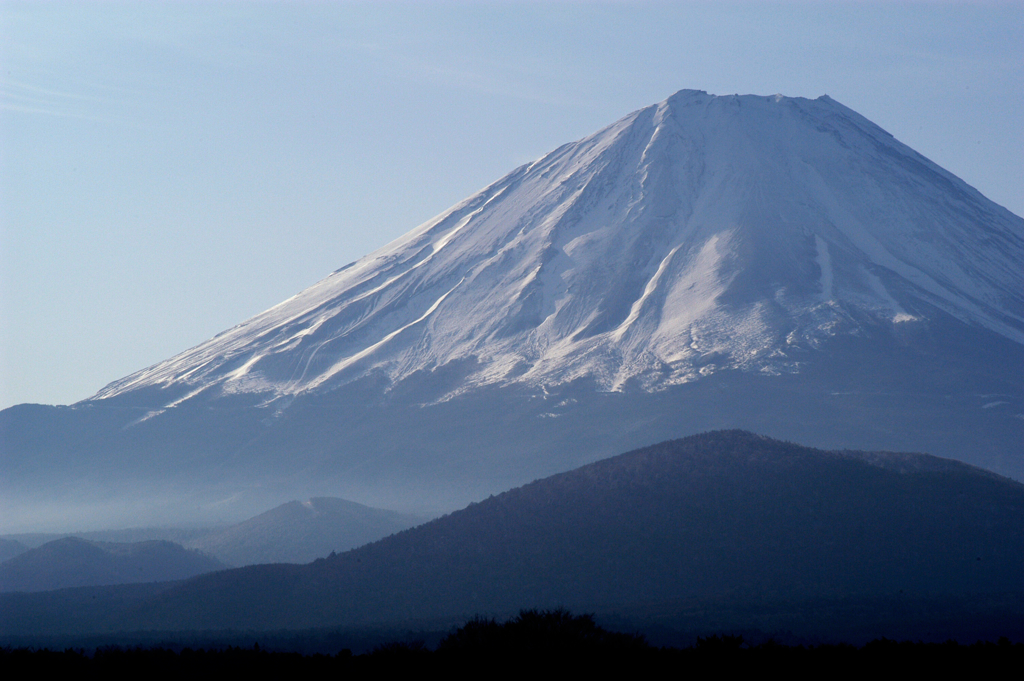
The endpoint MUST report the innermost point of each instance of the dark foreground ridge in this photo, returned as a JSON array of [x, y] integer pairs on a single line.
[[724, 526], [532, 641]]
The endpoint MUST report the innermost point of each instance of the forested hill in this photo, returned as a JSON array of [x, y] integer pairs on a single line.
[[723, 514]]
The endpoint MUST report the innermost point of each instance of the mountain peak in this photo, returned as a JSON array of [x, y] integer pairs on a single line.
[[776, 264], [701, 233]]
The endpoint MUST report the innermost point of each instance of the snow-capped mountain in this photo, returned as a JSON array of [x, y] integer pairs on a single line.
[[771, 263], [734, 228]]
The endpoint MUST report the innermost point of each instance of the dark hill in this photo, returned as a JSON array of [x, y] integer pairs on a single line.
[[719, 514], [724, 515], [72, 562]]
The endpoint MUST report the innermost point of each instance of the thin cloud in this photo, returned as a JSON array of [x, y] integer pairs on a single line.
[[27, 98]]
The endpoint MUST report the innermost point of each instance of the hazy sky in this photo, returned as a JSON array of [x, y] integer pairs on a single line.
[[169, 170]]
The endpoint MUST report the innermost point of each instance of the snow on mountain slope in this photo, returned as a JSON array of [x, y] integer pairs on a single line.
[[695, 235]]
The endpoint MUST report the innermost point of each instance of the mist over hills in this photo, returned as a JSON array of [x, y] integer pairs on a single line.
[[302, 531], [771, 263], [71, 562], [9, 548], [295, 532], [725, 516]]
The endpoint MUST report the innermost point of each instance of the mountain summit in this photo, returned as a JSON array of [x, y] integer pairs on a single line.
[[696, 234], [772, 263]]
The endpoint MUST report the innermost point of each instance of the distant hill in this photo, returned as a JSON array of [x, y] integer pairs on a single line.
[[295, 532], [9, 548], [724, 515], [299, 532], [71, 562], [132, 535]]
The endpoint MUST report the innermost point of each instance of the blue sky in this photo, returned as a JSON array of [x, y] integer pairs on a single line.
[[167, 170]]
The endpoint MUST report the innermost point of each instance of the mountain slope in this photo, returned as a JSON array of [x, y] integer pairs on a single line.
[[739, 228], [719, 515], [771, 263]]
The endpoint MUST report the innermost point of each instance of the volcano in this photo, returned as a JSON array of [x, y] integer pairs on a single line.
[[771, 263]]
